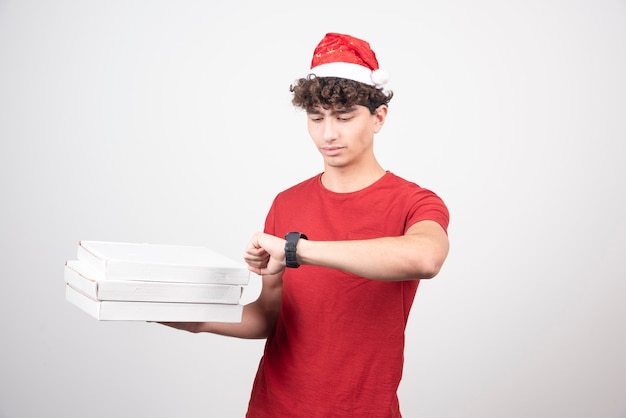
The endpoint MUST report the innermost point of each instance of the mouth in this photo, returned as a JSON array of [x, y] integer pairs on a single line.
[[331, 151]]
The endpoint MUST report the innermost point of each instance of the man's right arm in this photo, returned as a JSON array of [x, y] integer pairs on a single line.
[[257, 320]]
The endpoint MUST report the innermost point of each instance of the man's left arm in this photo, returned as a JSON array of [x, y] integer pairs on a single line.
[[418, 254]]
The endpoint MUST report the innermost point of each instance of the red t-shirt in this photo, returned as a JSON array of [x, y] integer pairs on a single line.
[[338, 344]]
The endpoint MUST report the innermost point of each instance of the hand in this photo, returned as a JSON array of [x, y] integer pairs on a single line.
[[265, 254], [185, 326]]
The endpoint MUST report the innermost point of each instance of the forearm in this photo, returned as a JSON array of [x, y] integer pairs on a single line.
[[408, 257], [256, 323], [257, 320]]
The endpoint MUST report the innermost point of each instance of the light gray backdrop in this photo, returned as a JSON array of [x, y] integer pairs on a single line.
[[170, 122]]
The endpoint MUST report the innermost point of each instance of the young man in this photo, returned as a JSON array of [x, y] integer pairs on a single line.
[[341, 256]]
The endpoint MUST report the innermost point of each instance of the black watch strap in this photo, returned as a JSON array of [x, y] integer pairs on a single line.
[[290, 248]]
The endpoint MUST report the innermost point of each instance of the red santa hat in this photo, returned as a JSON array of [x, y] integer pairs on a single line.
[[345, 56]]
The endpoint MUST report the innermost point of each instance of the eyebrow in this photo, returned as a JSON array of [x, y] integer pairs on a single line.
[[334, 111]]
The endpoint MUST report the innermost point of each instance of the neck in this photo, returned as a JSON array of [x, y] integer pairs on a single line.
[[347, 180]]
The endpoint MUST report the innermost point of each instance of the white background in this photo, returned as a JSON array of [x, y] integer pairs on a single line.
[[171, 122]]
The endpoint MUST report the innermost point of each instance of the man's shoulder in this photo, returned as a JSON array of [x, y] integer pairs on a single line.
[[394, 180], [302, 187], [408, 188]]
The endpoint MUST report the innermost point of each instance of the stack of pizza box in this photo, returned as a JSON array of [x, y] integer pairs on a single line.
[[155, 282]]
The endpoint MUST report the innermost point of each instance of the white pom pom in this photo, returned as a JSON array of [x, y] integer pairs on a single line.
[[380, 77]]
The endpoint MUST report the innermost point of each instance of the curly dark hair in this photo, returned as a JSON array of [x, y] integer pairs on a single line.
[[338, 93]]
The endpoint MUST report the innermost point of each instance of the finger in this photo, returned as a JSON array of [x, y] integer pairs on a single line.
[[256, 260], [255, 270]]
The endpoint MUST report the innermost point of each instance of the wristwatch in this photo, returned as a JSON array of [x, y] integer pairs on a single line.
[[290, 248]]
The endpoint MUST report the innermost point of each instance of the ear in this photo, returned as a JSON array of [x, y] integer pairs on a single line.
[[379, 117]]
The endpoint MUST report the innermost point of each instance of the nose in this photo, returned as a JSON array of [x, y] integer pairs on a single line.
[[330, 130]]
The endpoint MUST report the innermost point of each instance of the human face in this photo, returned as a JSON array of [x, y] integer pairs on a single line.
[[345, 137]]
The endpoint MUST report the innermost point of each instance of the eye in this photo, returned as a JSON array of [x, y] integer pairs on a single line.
[[344, 118]]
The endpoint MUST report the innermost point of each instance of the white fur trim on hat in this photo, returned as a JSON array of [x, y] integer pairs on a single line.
[[350, 71], [380, 77]]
